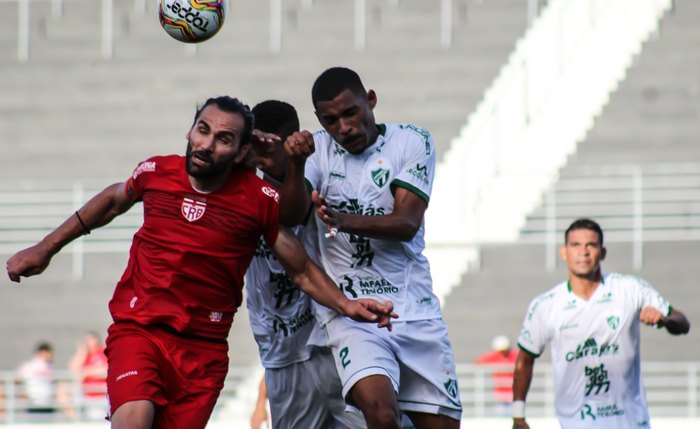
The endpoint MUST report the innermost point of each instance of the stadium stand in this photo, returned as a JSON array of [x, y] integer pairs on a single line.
[[73, 113], [78, 119]]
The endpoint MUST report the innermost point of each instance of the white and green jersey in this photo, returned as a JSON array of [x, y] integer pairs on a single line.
[[595, 350], [281, 315], [402, 156]]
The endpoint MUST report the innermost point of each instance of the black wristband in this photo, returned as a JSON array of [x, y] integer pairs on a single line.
[[86, 230]]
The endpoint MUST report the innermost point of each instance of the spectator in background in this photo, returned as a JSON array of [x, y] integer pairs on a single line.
[[36, 378], [89, 366], [503, 356], [2, 398]]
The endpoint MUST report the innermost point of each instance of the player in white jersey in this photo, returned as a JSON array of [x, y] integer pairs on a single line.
[[302, 384], [592, 322], [371, 185]]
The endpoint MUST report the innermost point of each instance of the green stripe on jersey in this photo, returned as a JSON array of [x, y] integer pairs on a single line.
[[401, 184], [528, 351]]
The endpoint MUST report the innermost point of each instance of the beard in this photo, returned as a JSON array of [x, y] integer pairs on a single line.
[[212, 170]]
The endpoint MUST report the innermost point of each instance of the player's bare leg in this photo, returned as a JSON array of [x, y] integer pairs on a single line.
[[432, 421], [375, 397], [134, 415]]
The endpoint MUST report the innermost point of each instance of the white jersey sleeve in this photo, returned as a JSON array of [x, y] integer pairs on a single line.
[[418, 167], [649, 297], [536, 331], [281, 316]]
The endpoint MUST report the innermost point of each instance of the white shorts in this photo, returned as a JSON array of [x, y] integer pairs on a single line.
[[416, 356], [308, 395]]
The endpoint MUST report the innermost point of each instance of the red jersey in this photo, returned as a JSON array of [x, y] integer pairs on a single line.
[[502, 380], [95, 385], [188, 259]]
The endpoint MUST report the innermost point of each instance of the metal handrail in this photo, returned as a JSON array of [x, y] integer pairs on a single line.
[[72, 402], [672, 391]]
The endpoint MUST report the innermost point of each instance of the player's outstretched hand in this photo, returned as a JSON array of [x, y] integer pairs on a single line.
[[520, 424], [650, 316], [28, 262], [261, 137], [370, 310], [330, 217], [300, 144]]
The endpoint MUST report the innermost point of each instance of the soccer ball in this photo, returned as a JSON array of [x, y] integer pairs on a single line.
[[192, 21]]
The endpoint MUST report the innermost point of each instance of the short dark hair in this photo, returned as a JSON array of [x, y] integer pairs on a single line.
[[44, 346], [584, 223], [333, 81], [231, 105], [274, 116]]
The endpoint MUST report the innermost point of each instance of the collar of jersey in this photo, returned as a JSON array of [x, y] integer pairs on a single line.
[[568, 283]]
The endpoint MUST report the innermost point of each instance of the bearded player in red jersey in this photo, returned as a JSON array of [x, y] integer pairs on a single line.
[[174, 305]]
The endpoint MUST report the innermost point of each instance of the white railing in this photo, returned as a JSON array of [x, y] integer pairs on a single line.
[[106, 23], [276, 27], [71, 403], [672, 391], [29, 210], [633, 203]]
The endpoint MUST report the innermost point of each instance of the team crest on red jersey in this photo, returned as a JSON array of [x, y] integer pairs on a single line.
[[192, 210], [271, 193]]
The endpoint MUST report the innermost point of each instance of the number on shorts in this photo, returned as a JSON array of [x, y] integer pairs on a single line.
[[344, 357]]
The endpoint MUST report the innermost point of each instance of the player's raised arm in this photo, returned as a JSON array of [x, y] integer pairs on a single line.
[[315, 282], [295, 200], [522, 376], [675, 323], [400, 225], [99, 211]]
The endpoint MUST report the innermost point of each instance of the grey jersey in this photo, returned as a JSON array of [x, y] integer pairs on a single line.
[[281, 315]]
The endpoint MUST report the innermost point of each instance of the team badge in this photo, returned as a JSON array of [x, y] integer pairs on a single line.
[[216, 316], [451, 387], [613, 322], [271, 193], [193, 210], [380, 176]]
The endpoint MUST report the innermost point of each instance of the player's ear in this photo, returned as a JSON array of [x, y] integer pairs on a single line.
[[189, 134], [371, 98], [603, 252], [562, 252]]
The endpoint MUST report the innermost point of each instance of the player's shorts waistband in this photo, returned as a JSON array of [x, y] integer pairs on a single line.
[[174, 331]]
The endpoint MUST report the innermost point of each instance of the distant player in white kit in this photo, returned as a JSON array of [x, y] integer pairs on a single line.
[[592, 322], [371, 186], [302, 384]]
